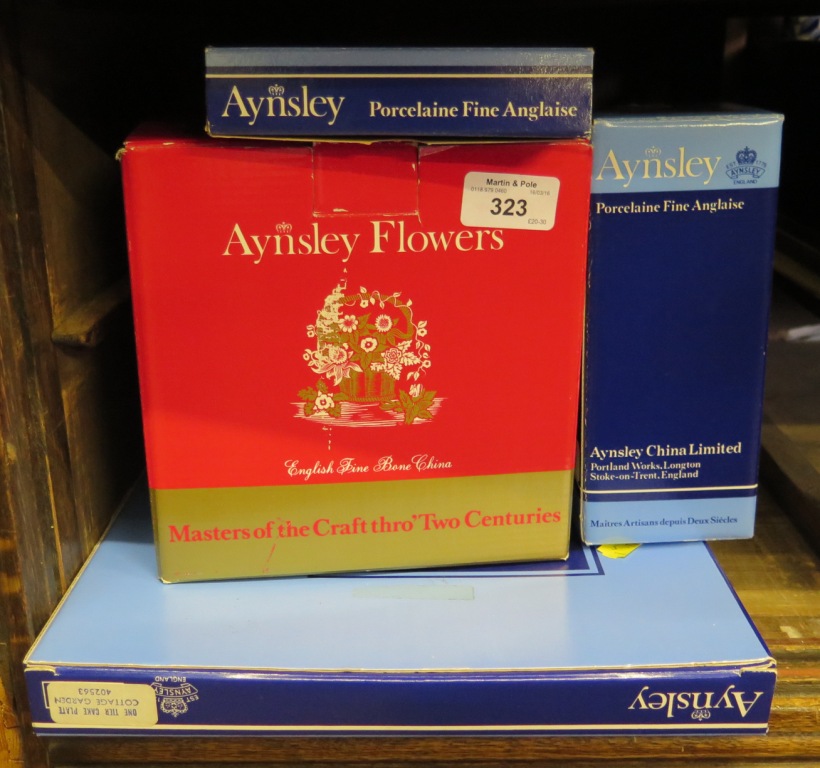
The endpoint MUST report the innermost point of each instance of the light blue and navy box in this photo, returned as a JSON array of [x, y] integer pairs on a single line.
[[680, 269], [420, 93], [525, 648]]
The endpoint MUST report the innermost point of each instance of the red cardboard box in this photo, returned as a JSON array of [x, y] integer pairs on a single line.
[[356, 357]]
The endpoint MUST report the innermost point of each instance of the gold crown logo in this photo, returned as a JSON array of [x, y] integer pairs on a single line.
[[283, 227], [276, 90], [652, 152]]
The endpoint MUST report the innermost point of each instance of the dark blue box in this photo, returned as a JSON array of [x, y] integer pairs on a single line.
[[680, 267], [420, 93]]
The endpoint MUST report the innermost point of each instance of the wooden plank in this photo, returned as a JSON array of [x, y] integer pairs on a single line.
[[63, 430], [34, 467], [102, 417], [86, 326], [11, 747], [790, 460]]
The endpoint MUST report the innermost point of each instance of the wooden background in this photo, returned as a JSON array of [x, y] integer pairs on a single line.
[[76, 77]]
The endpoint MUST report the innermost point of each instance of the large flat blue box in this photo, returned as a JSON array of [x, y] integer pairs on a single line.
[[399, 92], [655, 642], [681, 247]]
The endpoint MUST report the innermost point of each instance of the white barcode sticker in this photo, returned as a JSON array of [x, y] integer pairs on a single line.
[[509, 201], [120, 705]]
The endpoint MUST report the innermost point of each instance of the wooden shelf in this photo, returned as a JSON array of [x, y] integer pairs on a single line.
[[75, 78]]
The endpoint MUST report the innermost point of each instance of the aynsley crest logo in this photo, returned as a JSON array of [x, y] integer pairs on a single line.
[[653, 165], [746, 168], [278, 104], [174, 699], [696, 704]]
